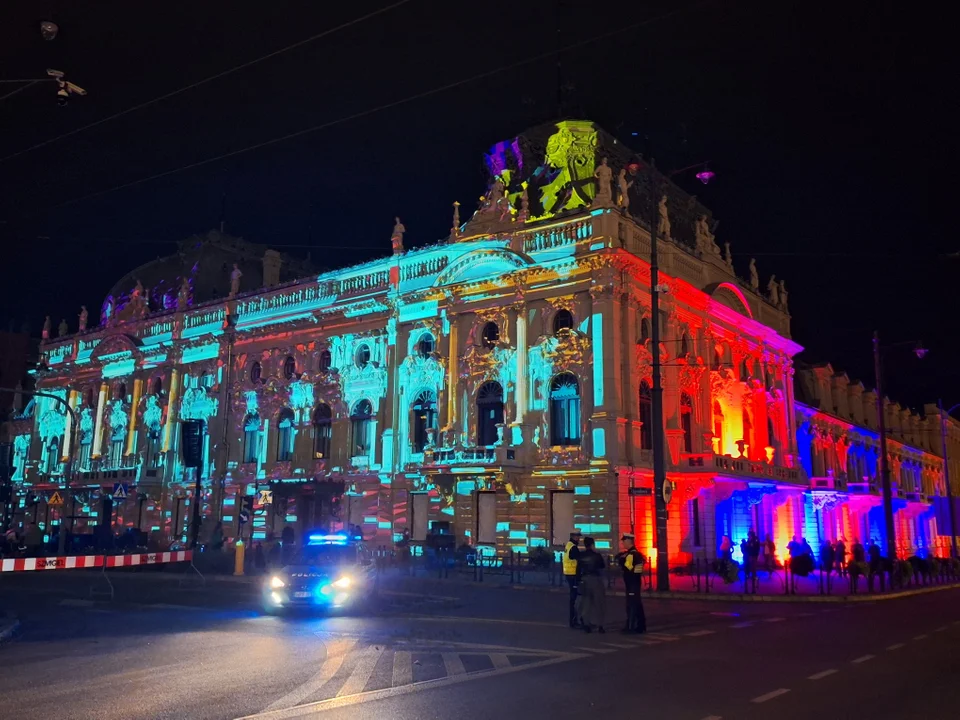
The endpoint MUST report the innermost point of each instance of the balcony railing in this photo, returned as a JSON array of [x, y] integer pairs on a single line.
[[451, 456]]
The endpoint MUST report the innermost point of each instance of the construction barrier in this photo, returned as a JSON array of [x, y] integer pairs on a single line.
[[94, 561]]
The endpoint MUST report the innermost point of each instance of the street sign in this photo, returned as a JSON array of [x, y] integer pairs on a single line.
[[641, 492], [266, 497], [119, 491], [56, 499], [244, 517]]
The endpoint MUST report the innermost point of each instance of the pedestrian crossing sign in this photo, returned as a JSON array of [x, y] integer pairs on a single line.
[[119, 491], [55, 499], [266, 497]]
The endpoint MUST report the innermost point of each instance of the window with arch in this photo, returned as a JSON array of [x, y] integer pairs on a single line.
[[256, 372], [644, 330], [289, 367], [684, 344], [118, 438], [361, 420], [426, 345], [718, 426], [744, 370], [154, 458], [563, 320], [490, 334], [362, 356], [52, 456], [326, 361], [90, 400], [285, 435], [84, 452], [121, 392], [686, 421], [489, 413], [565, 410], [157, 388], [251, 437], [772, 435], [717, 358], [424, 418], [322, 431], [646, 416]]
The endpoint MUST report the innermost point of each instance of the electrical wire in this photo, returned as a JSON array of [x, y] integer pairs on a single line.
[[198, 83], [385, 106]]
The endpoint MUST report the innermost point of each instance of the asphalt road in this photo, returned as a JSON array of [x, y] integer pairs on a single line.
[[441, 650]]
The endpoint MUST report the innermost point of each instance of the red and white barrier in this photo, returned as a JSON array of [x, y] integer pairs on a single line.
[[93, 561]]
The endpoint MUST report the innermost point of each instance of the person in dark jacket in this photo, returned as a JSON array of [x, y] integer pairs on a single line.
[[590, 567], [631, 563]]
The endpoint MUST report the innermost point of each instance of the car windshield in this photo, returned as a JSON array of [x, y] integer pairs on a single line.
[[326, 555]]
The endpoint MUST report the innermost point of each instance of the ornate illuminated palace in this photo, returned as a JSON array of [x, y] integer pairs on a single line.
[[495, 384]]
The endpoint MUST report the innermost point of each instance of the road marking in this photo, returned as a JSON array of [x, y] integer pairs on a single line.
[[663, 636], [895, 646], [499, 660], [648, 642], [770, 695], [398, 593], [452, 663], [497, 621], [742, 625], [821, 675], [595, 649], [362, 671], [402, 668], [921, 637], [336, 653], [805, 614], [299, 711], [941, 628], [713, 717], [863, 659], [774, 619], [164, 606], [701, 633], [70, 602], [620, 646]]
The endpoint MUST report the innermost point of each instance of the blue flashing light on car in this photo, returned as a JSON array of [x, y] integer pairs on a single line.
[[334, 539]]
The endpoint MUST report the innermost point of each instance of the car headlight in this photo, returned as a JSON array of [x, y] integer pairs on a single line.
[[276, 582], [343, 582]]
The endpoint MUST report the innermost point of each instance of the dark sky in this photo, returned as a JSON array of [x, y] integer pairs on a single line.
[[825, 123]]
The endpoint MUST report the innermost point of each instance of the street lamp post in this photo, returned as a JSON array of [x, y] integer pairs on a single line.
[[946, 476]]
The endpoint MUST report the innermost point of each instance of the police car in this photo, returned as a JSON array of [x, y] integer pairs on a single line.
[[331, 571]]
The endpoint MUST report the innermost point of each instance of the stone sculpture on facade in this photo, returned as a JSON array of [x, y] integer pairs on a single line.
[[524, 214], [623, 199], [603, 175], [83, 318], [783, 296], [235, 280], [46, 328], [183, 295], [664, 218], [754, 275], [773, 291], [397, 238], [727, 255], [455, 230], [62, 328], [705, 238]]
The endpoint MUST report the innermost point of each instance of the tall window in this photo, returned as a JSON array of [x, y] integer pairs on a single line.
[[562, 320], [362, 356], [684, 345], [644, 330], [251, 437], [489, 413], [565, 410], [83, 455], [121, 392], [424, 418], [255, 372], [52, 460], [360, 420], [326, 361], [491, 334], [157, 388], [322, 431], [686, 421], [646, 416], [425, 346], [117, 442], [289, 367], [154, 454], [285, 436]]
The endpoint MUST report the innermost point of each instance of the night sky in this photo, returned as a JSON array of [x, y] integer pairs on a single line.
[[825, 124]]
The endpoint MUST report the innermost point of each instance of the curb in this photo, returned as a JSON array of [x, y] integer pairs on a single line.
[[10, 626]]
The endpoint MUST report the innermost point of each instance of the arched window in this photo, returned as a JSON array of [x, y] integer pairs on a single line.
[[360, 420], [489, 413], [426, 345], [424, 418], [118, 438], [491, 334], [686, 421], [362, 356], [744, 370], [717, 358], [121, 392], [322, 431], [748, 450], [286, 435], [91, 398], [644, 330], [154, 458], [52, 459], [326, 361], [684, 345], [251, 435], [289, 367], [718, 426], [565, 410], [83, 454], [562, 320], [255, 372], [646, 416], [157, 388]]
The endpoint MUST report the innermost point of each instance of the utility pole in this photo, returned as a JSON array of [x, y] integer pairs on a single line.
[[946, 476], [891, 544]]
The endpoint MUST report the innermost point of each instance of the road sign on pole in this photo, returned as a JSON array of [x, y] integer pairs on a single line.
[[56, 499], [266, 497], [120, 491]]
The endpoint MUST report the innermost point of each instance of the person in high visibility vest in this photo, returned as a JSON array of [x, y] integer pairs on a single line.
[[571, 554], [631, 563]]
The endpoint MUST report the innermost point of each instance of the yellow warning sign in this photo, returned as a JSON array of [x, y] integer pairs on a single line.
[[55, 499]]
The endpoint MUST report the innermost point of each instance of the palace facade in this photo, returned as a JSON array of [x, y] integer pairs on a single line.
[[494, 385]]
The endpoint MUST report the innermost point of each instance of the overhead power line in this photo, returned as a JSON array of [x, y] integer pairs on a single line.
[[385, 106], [198, 83]]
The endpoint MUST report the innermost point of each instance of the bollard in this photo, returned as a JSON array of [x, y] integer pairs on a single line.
[[238, 558]]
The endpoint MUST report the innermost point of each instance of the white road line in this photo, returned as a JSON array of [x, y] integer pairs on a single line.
[[402, 668], [774, 619], [821, 675], [595, 649], [701, 633], [863, 659], [499, 660], [742, 625], [361, 673], [805, 614], [770, 695], [619, 646], [921, 637], [713, 717], [452, 664], [895, 646], [941, 628], [336, 653], [70, 602], [662, 636], [649, 642]]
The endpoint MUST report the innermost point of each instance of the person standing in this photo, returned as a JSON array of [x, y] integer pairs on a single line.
[[840, 557], [751, 557], [571, 557], [631, 563], [590, 567]]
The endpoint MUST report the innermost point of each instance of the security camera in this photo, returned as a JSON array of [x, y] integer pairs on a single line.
[[49, 30]]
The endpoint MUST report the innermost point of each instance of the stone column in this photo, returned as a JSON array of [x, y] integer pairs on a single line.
[[98, 427], [132, 429], [453, 373], [172, 400], [520, 389]]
